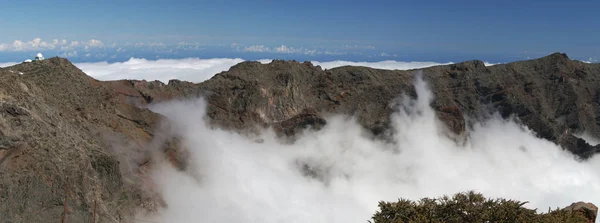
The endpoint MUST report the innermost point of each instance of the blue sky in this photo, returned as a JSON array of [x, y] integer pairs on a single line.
[[497, 31]]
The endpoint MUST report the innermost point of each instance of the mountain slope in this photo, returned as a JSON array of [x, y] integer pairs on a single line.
[[59, 126]]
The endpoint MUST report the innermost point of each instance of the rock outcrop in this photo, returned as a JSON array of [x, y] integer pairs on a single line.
[[556, 97], [589, 210], [65, 136]]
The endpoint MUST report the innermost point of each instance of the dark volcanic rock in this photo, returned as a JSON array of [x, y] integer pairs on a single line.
[[554, 96], [589, 210]]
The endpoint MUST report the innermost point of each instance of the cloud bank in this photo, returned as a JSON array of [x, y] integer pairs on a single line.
[[55, 44], [198, 70], [387, 64], [282, 49], [190, 69], [7, 64], [339, 176]]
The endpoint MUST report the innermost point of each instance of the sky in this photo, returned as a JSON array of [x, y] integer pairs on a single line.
[[441, 31]]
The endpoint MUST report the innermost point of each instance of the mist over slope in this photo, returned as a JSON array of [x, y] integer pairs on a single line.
[[339, 173]]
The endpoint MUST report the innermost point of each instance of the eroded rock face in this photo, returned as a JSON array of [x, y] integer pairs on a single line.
[[554, 96]]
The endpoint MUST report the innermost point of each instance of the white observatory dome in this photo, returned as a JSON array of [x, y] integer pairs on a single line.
[[39, 56]]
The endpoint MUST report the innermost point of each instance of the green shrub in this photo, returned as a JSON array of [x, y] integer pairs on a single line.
[[467, 207]]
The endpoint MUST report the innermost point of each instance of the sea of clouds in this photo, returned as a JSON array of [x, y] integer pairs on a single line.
[[198, 70], [6, 64], [233, 178]]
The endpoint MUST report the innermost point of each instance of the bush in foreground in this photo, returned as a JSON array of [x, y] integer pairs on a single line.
[[470, 207]]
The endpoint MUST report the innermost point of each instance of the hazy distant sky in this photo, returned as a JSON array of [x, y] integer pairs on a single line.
[[368, 30]]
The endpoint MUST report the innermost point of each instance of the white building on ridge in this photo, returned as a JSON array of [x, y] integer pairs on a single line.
[[39, 56]]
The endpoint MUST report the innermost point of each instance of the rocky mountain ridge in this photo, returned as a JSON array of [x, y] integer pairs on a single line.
[[556, 97], [63, 132]]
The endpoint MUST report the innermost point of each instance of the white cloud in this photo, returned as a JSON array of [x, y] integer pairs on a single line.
[[236, 179], [337, 53], [589, 60], [7, 64], [37, 44], [18, 45], [190, 46], [589, 138], [95, 43], [384, 54], [265, 61], [387, 64], [70, 54], [284, 49], [280, 49], [257, 48], [190, 69], [358, 47]]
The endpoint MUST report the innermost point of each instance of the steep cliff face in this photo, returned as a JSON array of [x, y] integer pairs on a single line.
[[554, 96]]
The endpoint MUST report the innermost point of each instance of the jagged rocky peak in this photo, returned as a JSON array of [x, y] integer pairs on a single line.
[[469, 65], [558, 56]]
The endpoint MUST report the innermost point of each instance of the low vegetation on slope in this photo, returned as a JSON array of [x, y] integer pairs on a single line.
[[473, 207]]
